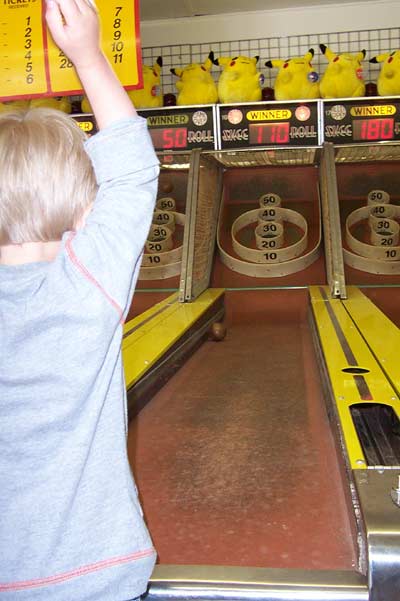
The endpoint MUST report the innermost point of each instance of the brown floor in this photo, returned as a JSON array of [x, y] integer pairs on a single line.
[[234, 457]]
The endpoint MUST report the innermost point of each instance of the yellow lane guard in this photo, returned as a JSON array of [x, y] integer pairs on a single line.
[[343, 347], [380, 333], [148, 336]]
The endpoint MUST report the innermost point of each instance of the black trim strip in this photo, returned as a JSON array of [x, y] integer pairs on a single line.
[[362, 386], [139, 325]]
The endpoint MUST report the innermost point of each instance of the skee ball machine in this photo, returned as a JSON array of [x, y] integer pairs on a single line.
[[161, 327], [175, 132], [365, 217], [244, 489]]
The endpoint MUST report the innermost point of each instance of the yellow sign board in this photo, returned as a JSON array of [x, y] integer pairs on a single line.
[[32, 65], [269, 115]]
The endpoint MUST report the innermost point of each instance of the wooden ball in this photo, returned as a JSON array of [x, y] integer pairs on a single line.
[[218, 331]]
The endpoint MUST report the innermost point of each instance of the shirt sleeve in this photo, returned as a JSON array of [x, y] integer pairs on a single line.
[[108, 249]]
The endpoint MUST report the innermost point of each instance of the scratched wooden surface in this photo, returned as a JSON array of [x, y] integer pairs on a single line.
[[234, 457]]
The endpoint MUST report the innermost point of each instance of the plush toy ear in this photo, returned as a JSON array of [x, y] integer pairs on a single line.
[[380, 58], [309, 55], [361, 55], [255, 59], [158, 65], [177, 72], [327, 52], [208, 63], [275, 63]]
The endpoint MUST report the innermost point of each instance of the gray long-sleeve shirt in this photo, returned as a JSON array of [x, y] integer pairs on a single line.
[[71, 526]]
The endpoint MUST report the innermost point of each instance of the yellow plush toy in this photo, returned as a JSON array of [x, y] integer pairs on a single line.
[[296, 77], [14, 105], [150, 95], [195, 84], [61, 104], [343, 76], [239, 81], [389, 76], [147, 97]]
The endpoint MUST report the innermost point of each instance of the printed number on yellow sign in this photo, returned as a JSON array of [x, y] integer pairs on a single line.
[[22, 68], [119, 37], [31, 64]]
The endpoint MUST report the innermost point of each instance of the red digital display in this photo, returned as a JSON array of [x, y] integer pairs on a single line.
[[170, 138], [269, 133], [371, 130]]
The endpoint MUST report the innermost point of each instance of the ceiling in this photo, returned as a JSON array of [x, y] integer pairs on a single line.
[[174, 9]]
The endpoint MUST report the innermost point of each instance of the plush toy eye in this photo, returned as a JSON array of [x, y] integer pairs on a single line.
[[154, 73], [203, 68], [285, 66], [335, 59], [390, 59]]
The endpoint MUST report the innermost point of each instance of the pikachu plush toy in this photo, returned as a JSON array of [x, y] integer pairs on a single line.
[[389, 76], [195, 83], [239, 80], [296, 78], [343, 75], [149, 96]]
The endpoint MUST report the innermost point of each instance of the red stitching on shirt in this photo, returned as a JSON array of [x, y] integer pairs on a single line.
[[91, 279], [94, 567]]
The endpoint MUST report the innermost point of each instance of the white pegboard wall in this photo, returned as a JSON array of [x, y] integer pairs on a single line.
[[373, 41]]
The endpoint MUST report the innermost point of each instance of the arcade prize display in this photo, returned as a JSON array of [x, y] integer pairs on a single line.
[[242, 478]]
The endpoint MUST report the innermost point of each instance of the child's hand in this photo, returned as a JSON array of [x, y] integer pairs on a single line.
[[74, 26]]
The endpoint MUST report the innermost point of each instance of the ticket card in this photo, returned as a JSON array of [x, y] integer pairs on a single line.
[[32, 65]]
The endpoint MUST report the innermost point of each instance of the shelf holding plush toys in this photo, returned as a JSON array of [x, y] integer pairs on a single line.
[[239, 80]]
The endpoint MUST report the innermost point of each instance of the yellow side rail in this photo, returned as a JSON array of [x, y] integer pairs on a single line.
[[148, 336], [380, 333], [354, 373]]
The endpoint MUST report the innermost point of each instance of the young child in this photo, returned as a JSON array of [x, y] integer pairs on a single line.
[[71, 240]]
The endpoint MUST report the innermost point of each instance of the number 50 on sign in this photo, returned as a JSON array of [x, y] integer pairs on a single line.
[[32, 65]]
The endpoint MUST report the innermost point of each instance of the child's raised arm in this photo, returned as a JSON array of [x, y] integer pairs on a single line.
[[74, 25]]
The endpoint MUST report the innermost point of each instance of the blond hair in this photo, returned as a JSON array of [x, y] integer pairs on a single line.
[[46, 178]]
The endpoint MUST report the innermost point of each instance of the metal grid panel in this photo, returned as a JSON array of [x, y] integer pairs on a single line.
[[373, 41]]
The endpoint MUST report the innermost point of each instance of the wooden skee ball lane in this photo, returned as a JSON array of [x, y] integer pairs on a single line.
[[235, 457]]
